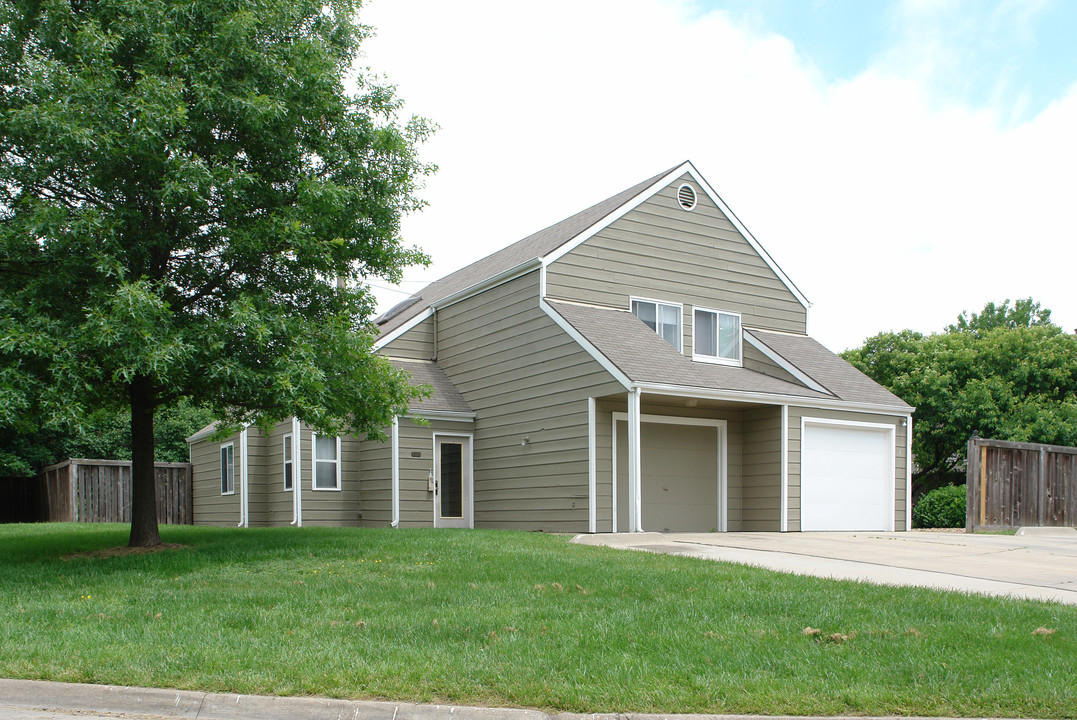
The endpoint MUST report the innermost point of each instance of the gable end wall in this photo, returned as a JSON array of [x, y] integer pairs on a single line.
[[663, 252]]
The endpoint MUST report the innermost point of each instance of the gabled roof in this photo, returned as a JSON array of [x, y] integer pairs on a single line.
[[531, 247], [549, 244], [444, 396]]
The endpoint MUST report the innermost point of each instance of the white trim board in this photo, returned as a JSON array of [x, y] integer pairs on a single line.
[[584, 343]]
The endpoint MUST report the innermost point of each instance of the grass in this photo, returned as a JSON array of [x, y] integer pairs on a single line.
[[507, 618]]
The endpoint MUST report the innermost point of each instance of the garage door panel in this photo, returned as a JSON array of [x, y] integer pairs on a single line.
[[846, 478]]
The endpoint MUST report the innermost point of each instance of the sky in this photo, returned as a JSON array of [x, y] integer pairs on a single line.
[[902, 161]]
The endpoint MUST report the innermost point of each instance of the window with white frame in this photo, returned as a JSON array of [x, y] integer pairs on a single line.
[[663, 318], [288, 461], [716, 336], [228, 469], [326, 459]]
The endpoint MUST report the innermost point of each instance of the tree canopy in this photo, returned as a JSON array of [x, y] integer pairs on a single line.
[[1006, 373], [192, 203]]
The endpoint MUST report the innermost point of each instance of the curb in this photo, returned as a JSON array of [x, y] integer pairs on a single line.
[[45, 695], [160, 703]]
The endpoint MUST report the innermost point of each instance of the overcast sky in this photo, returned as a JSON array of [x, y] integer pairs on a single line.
[[902, 161]]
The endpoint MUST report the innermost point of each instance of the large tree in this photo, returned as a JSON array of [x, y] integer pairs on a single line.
[[1007, 373], [193, 196]]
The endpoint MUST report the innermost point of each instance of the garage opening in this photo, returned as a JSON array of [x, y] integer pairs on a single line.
[[682, 474], [847, 476]]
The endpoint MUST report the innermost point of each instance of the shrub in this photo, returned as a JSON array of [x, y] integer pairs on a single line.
[[943, 507]]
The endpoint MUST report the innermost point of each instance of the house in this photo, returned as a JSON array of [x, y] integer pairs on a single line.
[[641, 365]]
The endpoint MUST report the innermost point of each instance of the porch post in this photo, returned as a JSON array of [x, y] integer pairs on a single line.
[[635, 494], [244, 518], [783, 522], [908, 474], [396, 471], [592, 470]]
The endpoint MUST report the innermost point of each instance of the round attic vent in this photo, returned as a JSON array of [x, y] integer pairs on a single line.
[[686, 196]]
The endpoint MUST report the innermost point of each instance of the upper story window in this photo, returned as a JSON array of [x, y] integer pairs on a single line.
[[326, 462], [716, 336], [228, 469], [288, 464], [663, 318]]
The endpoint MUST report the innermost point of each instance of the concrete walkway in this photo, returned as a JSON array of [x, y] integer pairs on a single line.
[[1036, 564]]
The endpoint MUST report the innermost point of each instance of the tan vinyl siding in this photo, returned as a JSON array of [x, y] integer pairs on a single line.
[[757, 361], [257, 495], [662, 252], [336, 508], [762, 478], [900, 457], [523, 376], [416, 344], [416, 464], [209, 505], [280, 503]]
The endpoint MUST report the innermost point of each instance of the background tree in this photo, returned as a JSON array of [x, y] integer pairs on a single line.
[[191, 204], [1007, 373]]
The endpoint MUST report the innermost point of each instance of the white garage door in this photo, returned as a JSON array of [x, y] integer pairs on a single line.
[[847, 478]]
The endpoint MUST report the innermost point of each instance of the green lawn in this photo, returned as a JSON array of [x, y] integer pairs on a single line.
[[505, 618]]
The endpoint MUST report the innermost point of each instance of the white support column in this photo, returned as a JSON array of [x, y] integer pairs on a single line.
[[396, 471], [908, 474], [635, 492], [784, 521], [613, 477], [592, 469]]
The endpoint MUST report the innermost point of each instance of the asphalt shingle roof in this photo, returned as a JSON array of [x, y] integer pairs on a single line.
[[533, 246], [827, 369], [444, 398], [645, 357]]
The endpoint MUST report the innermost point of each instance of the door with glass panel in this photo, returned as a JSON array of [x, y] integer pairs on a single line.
[[452, 481]]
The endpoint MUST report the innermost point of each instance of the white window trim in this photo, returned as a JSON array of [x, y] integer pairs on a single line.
[[680, 309], [286, 461], [717, 359], [224, 447], [314, 465]]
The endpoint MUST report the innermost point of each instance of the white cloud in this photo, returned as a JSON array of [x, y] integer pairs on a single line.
[[889, 208]]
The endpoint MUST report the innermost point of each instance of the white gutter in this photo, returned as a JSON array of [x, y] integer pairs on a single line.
[[396, 471], [771, 399]]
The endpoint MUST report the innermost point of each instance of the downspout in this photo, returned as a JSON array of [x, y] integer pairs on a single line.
[[297, 475], [396, 470], [244, 520]]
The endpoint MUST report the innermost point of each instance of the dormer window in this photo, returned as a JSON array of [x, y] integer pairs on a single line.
[[716, 336], [663, 318]]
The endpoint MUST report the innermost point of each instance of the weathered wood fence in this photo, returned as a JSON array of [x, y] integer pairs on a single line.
[[1011, 485], [80, 490]]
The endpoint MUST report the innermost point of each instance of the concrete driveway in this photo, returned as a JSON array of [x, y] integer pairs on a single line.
[[1038, 564]]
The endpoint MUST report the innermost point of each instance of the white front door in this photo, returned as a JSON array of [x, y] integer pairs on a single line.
[[453, 503]]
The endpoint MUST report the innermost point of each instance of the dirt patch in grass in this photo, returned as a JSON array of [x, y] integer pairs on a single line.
[[124, 551]]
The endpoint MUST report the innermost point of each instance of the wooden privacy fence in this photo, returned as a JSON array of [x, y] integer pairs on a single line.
[[80, 490], [1011, 485]]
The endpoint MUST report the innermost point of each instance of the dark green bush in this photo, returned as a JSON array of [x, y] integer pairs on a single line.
[[943, 507]]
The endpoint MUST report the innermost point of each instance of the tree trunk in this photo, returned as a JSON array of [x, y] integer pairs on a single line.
[[144, 532]]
